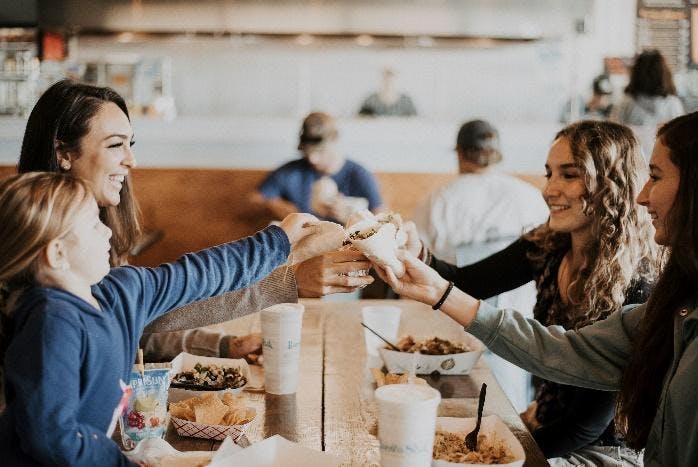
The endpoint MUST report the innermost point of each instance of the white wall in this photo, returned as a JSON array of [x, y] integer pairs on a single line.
[[526, 81], [213, 77]]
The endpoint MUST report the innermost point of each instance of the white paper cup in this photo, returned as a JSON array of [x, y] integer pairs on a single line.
[[385, 320], [281, 345], [406, 424]]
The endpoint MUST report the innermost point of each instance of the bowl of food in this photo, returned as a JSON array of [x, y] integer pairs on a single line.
[[211, 417], [496, 444], [193, 375], [432, 355]]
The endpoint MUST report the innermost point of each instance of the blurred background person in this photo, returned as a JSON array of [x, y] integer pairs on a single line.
[[601, 102], [598, 107], [388, 101], [650, 98], [479, 213], [483, 204], [323, 181]]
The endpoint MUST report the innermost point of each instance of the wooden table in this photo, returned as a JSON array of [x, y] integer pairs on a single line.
[[334, 409]]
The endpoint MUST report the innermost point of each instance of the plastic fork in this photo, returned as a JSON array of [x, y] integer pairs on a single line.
[[471, 438]]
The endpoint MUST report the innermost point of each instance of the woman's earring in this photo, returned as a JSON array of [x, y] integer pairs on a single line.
[[65, 164]]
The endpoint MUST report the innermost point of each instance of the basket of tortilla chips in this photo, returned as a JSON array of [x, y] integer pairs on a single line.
[[211, 417]]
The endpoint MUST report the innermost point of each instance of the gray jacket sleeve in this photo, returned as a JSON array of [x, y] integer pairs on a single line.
[[592, 357], [175, 332]]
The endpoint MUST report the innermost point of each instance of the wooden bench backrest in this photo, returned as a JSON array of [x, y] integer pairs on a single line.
[[196, 208]]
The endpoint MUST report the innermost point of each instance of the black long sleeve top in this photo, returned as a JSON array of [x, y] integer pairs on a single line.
[[570, 417]]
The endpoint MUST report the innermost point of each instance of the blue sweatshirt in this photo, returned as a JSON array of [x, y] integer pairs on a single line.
[[65, 360]]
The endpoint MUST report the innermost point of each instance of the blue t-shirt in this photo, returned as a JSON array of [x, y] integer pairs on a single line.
[[294, 180], [66, 357]]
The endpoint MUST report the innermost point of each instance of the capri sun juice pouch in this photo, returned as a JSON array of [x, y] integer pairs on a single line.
[[146, 414]]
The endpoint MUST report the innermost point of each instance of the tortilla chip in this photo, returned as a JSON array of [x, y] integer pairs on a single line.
[[182, 410], [209, 410], [393, 378], [379, 376], [232, 401], [235, 417]]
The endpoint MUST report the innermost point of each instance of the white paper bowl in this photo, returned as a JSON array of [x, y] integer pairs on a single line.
[[490, 424], [186, 361], [217, 432], [450, 364]]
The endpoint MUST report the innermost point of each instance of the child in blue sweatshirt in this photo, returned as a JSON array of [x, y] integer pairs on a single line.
[[70, 325]]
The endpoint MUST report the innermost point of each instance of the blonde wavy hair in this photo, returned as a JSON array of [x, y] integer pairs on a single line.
[[35, 208], [622, 249]]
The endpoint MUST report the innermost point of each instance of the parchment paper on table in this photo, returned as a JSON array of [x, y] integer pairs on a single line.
[[379, 238], [326, 236]]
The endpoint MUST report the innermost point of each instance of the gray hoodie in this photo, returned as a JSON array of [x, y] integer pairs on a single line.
[[647, 110], [595, 356]]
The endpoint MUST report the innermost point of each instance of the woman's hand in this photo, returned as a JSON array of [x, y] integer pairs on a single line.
[[295, 225], [423, 284], [420, 282], [329, 273]]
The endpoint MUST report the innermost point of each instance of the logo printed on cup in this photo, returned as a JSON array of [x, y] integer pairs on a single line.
[[293, 344]]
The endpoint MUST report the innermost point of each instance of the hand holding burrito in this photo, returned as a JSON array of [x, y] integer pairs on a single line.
[[323, 237], [296, 226], [419, 282]]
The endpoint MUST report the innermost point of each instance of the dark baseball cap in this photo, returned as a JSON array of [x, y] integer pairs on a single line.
[[317, 128], [477, 135]]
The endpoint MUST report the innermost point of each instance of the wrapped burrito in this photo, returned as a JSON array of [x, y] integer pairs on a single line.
[[360, 216], [396, 220], [378, 241], [325, 237]]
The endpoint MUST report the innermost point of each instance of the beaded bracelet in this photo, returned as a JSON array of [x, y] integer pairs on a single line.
[[444, 296]]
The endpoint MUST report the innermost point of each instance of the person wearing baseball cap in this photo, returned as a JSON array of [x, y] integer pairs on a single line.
[[323, 181]]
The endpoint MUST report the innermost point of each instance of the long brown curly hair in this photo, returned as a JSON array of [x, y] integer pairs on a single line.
[[621, 250]]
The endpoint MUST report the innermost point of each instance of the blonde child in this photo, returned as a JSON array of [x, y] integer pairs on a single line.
[[70, 325]]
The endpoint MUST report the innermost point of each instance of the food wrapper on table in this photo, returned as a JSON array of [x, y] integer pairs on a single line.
[[449, 364], [156, 452], [276, 451], [186, 362], [491, 425]]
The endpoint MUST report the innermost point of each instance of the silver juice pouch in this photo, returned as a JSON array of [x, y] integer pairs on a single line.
[[146, 414]]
